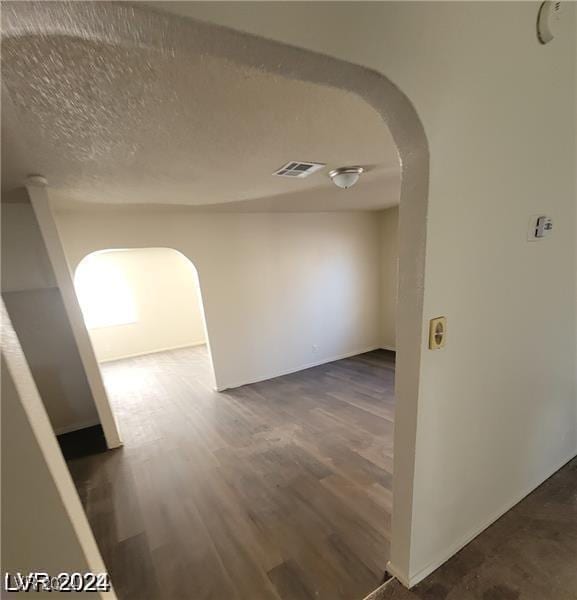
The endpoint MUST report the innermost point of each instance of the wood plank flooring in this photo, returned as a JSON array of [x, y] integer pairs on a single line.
[[279, 490]]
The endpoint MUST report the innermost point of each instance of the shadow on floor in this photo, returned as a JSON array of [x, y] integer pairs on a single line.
[[82, 442]]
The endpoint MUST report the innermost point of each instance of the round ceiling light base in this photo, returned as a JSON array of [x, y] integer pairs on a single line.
[[346, 177]]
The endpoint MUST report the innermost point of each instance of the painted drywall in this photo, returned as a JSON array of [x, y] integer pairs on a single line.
[[35, 305], [164, 287], [40, 201], [281, 292], [389, 230], [497, 409], [55, 538]]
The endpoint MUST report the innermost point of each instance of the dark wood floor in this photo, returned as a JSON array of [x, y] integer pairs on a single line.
[[276, 490]]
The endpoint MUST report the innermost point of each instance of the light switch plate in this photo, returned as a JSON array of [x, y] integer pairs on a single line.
[[540, 226], [437, 333]]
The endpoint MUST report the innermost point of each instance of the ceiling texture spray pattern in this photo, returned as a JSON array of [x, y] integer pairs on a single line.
[[120, 105]]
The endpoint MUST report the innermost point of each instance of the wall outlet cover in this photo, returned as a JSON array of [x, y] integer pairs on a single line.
[[437, 333]]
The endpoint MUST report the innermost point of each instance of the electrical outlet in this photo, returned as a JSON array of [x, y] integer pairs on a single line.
[[437, 333], [315, 348]]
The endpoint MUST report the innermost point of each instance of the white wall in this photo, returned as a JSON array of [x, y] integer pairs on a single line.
[[35, 305], [281, 292], [164, 288], [50, 535], [497, 407], [389, 222], [40, 202]]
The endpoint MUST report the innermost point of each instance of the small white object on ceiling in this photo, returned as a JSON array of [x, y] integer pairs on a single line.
[[299, 169], [540, 226], [346, 177], [548, 21]]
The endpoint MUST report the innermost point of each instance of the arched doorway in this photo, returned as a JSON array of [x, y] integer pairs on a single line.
[[181, 39], [142, 301]]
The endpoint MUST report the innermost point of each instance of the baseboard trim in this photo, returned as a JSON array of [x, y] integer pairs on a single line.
[[324, 361], [389, 348], [377, 593], [397, 574], [435, 564], [146, 353]]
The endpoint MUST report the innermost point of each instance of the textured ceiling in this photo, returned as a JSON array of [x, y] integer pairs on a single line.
[[114, 121]]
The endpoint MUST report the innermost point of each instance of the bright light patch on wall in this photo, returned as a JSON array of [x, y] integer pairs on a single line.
[[103, 293]]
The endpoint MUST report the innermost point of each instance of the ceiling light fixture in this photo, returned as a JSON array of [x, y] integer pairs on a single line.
[[346, 177]]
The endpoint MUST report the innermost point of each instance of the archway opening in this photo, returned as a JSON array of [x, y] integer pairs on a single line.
[[182, 39], [143, 301]]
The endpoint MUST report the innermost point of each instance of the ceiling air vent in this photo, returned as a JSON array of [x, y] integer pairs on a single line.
[[298, 169]]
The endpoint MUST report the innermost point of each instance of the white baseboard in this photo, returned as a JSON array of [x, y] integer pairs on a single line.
[[390, 348], [397, 574], [155, 351], [379, 590], [76, 426], [411, 581], [272, 375]]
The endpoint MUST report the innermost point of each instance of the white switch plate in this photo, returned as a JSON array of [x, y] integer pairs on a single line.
[[540, 226]]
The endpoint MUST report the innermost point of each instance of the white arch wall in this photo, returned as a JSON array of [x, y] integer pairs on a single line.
[[497, 407], [164, 289], [106, 22]]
